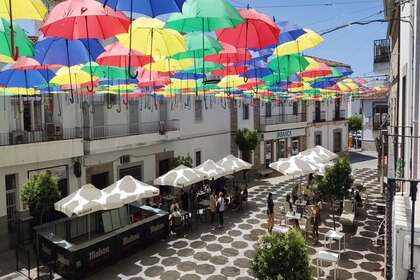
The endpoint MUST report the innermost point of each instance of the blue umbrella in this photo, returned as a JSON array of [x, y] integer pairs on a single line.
[[289, 32], [60, 51], [25, 78], [323, 83], [257, 72], [151, 8], [187, 76], [345, 71]]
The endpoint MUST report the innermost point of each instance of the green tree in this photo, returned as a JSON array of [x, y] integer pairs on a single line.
[[187, 161], [247, 140], [40, 192], [282, 256], [335, 184], [355, 123]]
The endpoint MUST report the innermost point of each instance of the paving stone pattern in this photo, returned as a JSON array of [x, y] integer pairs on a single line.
[[227, 253]]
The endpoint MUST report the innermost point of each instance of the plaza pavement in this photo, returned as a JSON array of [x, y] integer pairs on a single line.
[[227, 253]]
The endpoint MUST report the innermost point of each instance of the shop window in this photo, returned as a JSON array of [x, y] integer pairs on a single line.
[[337, 141], [295, 108], [268, 110], [198, 110], [295, 146], [318, 139], [245, 112]]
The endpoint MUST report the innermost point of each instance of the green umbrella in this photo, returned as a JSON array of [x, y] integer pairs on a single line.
[[335, 73], [195, 48], [21, 40], [106, 72], [288, 64], [206, 66], [204, 15]]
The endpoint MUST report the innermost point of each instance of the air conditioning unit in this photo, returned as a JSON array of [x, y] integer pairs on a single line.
[[17, 137], [54, 131]]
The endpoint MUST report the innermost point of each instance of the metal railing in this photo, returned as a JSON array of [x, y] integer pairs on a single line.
[[18, 137], [283, 118], [340, 115], [122, 130], [381, 51], [319, 116]]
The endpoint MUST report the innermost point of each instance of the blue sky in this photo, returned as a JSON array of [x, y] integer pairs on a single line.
[[352, 45]]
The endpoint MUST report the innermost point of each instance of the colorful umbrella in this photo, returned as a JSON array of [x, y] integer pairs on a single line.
[[229, 54], [151, 8], [305, 41], [288, 64], [21, 41], [21, 9], [168, 65], [116, 55], [194, 45]]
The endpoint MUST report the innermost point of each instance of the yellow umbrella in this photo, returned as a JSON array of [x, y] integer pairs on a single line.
[[151, 38], [169, 65], [181, 84], [231, 81], [308, 40], [20, 91], [23, 9], [78, 77]]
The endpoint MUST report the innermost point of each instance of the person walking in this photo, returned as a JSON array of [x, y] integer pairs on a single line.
[[270, 212], [221, 204], [317, 220], [212, 208]]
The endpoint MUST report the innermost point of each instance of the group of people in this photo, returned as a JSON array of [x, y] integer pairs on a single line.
[[314, 214]]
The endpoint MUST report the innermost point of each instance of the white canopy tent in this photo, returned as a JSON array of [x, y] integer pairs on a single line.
[[211, 170], [318, 154], [293, 166], [127, 190], [233, 164], [84, 201], [180, 177]]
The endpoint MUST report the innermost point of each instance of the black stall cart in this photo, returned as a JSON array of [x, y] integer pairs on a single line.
[[68, 247]]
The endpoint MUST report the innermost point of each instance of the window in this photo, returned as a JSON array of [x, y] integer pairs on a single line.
[[268, 109], [197, 158], [295, 146], [37, 115], [245, 111], [337, 141], [11, 184], [380, 117], [295, 108], [198, 110], [318, 139]]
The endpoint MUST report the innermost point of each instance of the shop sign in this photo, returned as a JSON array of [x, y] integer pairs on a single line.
[[283, 134], [98, 253], [130, 239]]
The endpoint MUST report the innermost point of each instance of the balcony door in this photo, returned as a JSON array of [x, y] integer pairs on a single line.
[[134, 122], [337, 108], [337, 141], [317, 110]]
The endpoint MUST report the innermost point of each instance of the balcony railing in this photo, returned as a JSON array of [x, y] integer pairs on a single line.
[[381, 51], [55, 133], [319, 116], [122, 130], [340, 115], [282, 119]]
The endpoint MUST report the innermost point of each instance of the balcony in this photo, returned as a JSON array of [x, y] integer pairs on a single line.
[[319, 117], [340, 115], [53, 143], [125, 136], [381, 50], [283, 121]]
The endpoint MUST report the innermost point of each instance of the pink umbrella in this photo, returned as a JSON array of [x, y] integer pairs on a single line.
[[153, 79], [229, 54], [230, 70], [116, 55], [28, 63]]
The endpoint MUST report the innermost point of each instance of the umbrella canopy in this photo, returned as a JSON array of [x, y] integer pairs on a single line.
[[128, 190], [84, 201], [181, 176], [194, 42], [25, 78], [233, 164], [151, 38], [28, 63], [288, 64], [106, 72], [116, 55], [293, 166], [205, 16], [23, 9], [169, 65], [257, 31], [229, 54], [84, 19], [151, 8], [73, 75], [152, 79], [211, 170], [323, 153], [203, 67]]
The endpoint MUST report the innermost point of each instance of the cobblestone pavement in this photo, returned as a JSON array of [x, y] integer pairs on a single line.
[[226, 254]]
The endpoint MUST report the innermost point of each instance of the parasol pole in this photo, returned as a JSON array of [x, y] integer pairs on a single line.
[[133, 76], [14, 50]]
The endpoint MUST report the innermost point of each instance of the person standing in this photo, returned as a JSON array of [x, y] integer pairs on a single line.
[[270, 212], [317, 221], [221, 204], [212, 208]]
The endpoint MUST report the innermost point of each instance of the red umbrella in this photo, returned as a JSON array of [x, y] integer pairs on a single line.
[[229, 54], [257, 31], [322, 71], [28, 63], [153, 79], [229, 70], [116, 55], [83, 19]]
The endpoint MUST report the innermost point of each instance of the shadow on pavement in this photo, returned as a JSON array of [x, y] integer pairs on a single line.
[[356, 157]]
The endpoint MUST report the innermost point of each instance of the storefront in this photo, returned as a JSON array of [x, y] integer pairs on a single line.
[[282, 144], [60, 172]]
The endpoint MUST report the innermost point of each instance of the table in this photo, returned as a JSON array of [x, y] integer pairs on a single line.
[[329, 257], [280, 229], [334, 235]]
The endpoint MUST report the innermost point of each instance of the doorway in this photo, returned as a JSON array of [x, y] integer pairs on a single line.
[[337, 141], [164, 166], [134, 171], [100, 180]]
